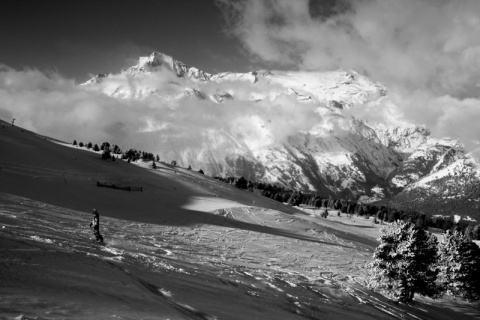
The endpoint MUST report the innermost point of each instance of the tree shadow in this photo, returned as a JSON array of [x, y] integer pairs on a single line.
[[222, 221]]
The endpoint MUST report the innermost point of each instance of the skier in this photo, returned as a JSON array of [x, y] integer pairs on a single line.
[[96, 226], [324, 214]]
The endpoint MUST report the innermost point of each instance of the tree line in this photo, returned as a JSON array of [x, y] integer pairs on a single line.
[[379, 213], [108, 150]]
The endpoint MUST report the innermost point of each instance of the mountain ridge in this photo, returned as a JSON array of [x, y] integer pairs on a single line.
[[320, 145]]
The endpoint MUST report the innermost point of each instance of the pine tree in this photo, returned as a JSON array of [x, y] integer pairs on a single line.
[[117, 150], [404, 262], [105, 146], [241, 183], [74, 142], [476, 232], [106, 155], [469, 232], [459, 266], [295, 199]]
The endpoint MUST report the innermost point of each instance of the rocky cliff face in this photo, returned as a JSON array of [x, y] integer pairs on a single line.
[[158, 60], [291, 128]]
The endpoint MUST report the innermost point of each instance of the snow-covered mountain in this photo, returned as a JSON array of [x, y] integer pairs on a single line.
[[288, 127]]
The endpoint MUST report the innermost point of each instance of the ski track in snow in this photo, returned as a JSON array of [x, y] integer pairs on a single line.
[[306, 266]]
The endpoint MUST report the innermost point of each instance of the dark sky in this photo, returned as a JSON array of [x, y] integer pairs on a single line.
[[78, 38]]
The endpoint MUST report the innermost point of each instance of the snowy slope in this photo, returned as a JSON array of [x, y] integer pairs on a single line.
[[293, 128], [187, 247], [452, 188]]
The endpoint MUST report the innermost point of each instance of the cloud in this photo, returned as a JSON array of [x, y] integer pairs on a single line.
[[55, 106], [278, 112], [177, 128], [427, 52]]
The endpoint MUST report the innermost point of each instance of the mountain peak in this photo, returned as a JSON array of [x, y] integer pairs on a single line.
[[158, 59], [364, 158]]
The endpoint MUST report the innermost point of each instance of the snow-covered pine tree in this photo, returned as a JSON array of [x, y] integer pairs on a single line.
[[459, 265], [405, 262]]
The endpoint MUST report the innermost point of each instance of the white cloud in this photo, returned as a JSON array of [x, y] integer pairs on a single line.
[[426, 51], [58, 107]]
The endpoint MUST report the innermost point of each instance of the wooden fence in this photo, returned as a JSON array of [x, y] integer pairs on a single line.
[[113, 186]]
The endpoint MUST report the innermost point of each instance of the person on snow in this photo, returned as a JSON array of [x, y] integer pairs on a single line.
[[324, 214], [96, 226]]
